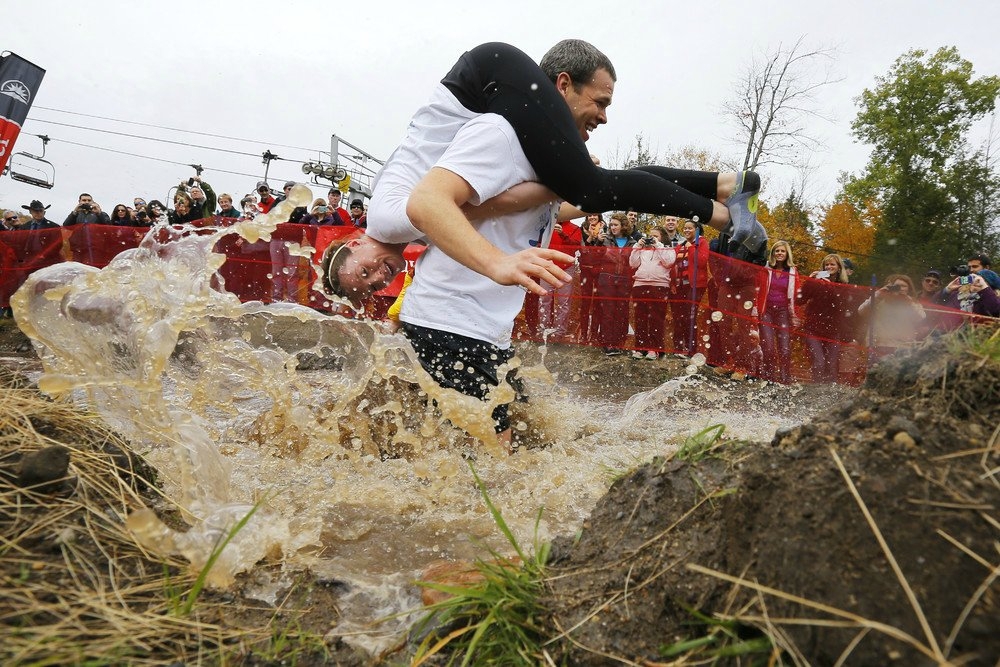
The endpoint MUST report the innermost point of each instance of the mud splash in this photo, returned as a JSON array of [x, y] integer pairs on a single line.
[[329, 425]]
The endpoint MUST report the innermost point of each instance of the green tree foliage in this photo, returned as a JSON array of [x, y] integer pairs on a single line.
[[936, 194]]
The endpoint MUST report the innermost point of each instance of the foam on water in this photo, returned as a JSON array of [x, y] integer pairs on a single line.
[[357, 474]]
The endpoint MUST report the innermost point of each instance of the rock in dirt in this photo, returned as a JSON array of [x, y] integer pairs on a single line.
[[44, 470]]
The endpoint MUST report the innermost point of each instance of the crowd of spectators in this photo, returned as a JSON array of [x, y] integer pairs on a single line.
[[668, 291], [641, 292]]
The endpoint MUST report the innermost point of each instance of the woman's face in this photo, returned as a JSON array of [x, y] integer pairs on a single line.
[[689, 231], [657, 234], [780, 254], [182, 206], [901, 287], [831, 266], [225, 202], [615, 227], [120, 211]]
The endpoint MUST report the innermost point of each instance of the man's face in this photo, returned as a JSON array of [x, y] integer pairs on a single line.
[[357, 210], [975, 266], [370, 267], [670, 224], [86, 199], [197, 194], [263, 192], [225, 202], [589, 104], [36, 214], [334, 198], [633, 217]]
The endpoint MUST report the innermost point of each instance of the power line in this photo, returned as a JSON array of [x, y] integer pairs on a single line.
[[164, 141], [145, 157], [177, 129]]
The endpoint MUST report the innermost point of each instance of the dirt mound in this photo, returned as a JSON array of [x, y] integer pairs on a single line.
[[919, 446]]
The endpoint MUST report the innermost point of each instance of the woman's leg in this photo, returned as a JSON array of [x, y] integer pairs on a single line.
[[515, 87]]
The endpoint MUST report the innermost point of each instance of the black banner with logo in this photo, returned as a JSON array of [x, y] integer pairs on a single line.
[[19, 83]]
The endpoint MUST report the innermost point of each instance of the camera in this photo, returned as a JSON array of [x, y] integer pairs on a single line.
[[141, 215], [648, 240], [894, 288], [822, 274], [85, 207], [962, 272], [190, 182]]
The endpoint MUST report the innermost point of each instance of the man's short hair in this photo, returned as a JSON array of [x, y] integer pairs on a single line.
[[84, 194], [983, 259], [578, 58]]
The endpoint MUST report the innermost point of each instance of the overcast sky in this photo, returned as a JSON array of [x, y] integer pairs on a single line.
[[290, 74]]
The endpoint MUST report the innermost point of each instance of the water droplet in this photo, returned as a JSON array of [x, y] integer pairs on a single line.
[[716, 315]]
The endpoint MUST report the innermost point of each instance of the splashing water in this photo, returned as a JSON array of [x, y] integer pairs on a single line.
[[328, 423]]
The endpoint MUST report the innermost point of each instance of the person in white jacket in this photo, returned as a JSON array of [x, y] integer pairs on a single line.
[[650, 286]]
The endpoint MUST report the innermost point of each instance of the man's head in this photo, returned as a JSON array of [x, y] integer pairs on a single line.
[[85, 198], [197, 194], [263, 189], [36, 209], [357, 208], [586, 79], [334, 196], [632, 217], [670, 224], [359, 267], [977, 263], [10, 219], [287, 187]]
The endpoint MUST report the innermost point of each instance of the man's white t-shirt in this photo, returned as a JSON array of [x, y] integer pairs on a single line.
[[446, 295], [431, 131]]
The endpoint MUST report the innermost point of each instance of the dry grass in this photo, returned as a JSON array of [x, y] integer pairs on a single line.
[[76, 588]]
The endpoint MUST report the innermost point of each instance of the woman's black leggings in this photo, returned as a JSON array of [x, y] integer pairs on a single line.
[[499, 78]]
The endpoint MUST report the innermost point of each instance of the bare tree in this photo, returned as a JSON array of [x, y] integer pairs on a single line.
[[777, 99]]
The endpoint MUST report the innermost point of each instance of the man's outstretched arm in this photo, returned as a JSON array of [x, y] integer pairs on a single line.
[[435, 209]]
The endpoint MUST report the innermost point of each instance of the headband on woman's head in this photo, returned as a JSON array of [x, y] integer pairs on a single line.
[[326, 263]]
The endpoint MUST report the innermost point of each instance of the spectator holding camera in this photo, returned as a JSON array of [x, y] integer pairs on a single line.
[[87, 212], [897, 316], [971, 293], [650, 285], [203, 199]]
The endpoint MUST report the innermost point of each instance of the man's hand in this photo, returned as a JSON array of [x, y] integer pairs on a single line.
[[528, 268]]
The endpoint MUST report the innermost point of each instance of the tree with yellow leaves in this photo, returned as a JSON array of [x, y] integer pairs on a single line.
[[849, 230]]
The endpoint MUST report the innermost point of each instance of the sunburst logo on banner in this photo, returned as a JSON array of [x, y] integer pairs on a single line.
[[17, 90]]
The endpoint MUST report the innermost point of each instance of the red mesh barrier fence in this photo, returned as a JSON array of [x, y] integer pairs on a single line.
[[826, 337]]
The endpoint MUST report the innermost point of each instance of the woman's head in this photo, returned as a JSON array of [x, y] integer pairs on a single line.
[[319, 206], [691, 230], [225, 201], [182, 203], [780, 255], [355, 268], [834, 264], [120, 211], [658, 233], [616, 226], [900, 284]]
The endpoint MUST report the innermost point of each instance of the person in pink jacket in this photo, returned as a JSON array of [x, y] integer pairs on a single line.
[[776, 294], [650, 287]]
